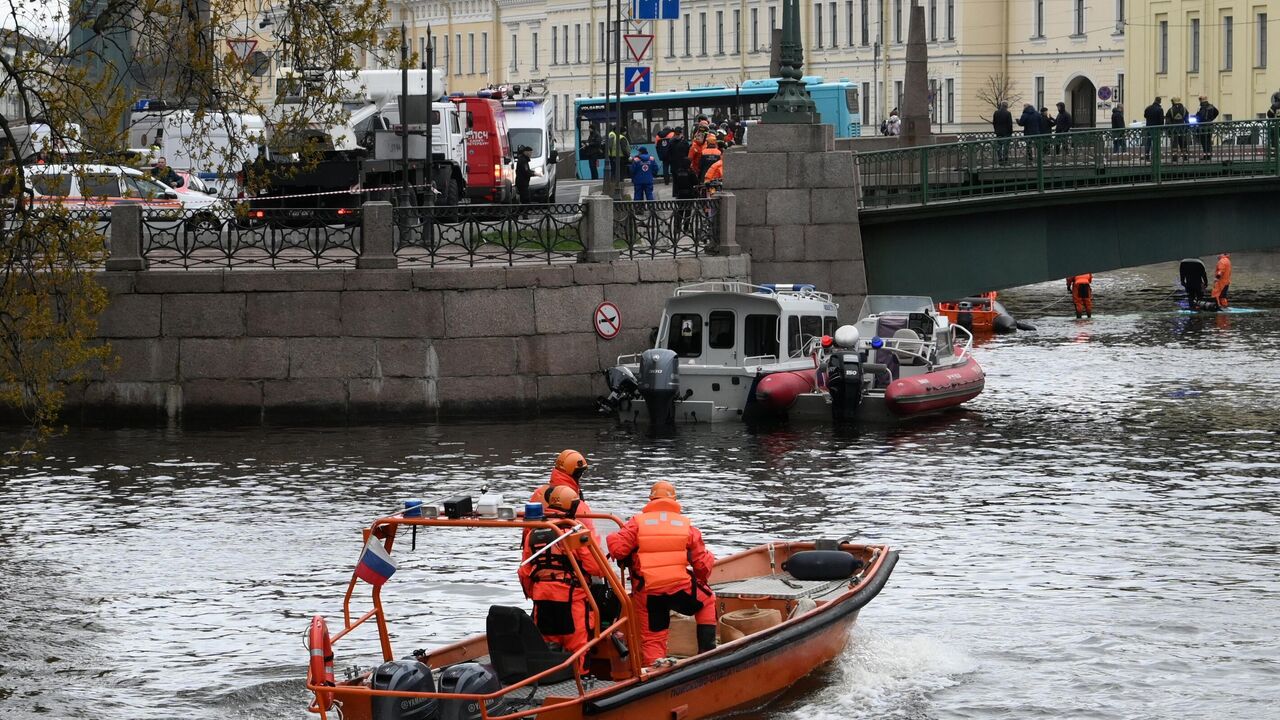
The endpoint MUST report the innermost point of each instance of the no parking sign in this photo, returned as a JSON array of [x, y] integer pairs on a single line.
[[608, 320]]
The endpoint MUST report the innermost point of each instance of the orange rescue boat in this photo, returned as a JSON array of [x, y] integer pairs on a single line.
[[816, 588]]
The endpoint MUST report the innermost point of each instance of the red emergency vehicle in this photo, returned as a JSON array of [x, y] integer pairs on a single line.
[[490, 168]]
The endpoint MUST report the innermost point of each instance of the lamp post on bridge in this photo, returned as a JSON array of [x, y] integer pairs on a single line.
[[792, 103]]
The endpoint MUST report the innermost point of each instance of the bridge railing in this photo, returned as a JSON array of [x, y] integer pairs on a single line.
[[1045, 163]]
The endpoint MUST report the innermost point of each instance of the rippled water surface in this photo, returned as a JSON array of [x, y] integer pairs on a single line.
[[1096, 537]]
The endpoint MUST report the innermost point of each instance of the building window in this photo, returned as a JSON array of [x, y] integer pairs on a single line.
[[817, 26], [1120, 17], [1194, 65], [719, 32], [897, 21], [935, 102], [471, 53], [866, 102], [848, 22], [831, 14], [773, 22], [1039, 92], [897, 94], [457, 50], [1228, 42], [755, 30], [737, 32], [1162, 62], [1120, 88], [484, 53], [1262, 41], [688, 45], [533, 37], [1037, 21], [866, 23], [951, 19], [604, 41], [933, 20], [577, 43], [951, 100], [555, 44], [515, 51], [564, 31], [671, 40], [1079, 17], [702, 33]]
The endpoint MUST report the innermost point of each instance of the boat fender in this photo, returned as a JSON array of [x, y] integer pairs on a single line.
[[320, 645], [1024, 325], [406, 676], [822, 565], [1004, 324]]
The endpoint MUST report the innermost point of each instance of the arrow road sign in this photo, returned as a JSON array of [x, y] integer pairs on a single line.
[[637, 79], [638, 45]]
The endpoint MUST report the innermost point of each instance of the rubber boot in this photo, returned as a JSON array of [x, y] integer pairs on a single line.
[[706, 638]]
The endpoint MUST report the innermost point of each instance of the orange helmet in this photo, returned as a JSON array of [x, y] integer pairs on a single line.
[[563, 499], [662, 489], [572, 463]]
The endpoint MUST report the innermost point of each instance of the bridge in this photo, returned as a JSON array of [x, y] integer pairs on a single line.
[[955, 219]]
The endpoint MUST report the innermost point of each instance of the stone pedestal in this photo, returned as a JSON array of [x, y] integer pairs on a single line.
[[796, 202], [126, 238], [597, 230], [377, 243]]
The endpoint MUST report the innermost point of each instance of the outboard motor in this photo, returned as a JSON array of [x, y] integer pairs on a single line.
[[408, 676], [659, 383], [964, 315], [844, 375], [472, 678], [622, 387]]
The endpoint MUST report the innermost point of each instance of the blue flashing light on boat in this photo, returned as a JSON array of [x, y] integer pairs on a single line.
[[533, 511], [413, 508], [877, 342], [794, 287]]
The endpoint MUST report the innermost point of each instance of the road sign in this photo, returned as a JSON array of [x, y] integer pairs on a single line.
[[1104, 93], [638, 45], [655, 9], [637, 79], [608, 320], [242, 47]]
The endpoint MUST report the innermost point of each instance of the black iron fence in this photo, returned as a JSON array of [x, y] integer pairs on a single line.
[[489, 234], [666, 227], [280, 237]]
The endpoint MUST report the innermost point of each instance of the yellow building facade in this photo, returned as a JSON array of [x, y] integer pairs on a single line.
[[1216, 48]]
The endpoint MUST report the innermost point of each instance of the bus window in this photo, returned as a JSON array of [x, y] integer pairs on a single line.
[[760, 336], [637, 128], [851, 99], [684, 335]]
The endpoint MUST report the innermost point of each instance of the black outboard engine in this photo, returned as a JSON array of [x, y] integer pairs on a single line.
[[408, 676], [472, 678], [659, 383], [622, 387], [844, 375]]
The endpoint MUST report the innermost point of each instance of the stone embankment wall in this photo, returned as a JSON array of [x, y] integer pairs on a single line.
[[288, 345]]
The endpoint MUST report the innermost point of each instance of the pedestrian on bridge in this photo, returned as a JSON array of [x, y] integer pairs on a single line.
[[1081, 289], [1002, 124], [1154, 115], [1117, 129], [1178, 116], [1205, 115], [1061, 126], [1030, 123]]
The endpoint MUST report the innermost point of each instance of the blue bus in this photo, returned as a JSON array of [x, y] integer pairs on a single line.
[[644, 114]]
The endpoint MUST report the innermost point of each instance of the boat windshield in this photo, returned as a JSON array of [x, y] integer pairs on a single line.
[[880, 304]]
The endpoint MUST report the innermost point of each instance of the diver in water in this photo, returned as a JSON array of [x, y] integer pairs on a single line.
[[1195, 281]]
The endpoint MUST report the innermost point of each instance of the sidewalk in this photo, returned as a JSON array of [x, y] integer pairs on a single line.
[[594, 187]]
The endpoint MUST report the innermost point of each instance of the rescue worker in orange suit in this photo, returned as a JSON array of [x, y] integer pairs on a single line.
[[560, 605], [710, 156], [1222, 280], [1081, 289], [568, 471], [715, 172], [695, 150], [670, 568]]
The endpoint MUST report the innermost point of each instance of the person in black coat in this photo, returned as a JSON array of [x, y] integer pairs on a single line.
[[1206, 114], [1117, 128], [1030, 123], [1178, 115], [1002, 124], [1061, 126], [1154, 115]]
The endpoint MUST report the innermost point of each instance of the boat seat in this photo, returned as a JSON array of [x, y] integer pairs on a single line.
[[518, 650], [908, 342]]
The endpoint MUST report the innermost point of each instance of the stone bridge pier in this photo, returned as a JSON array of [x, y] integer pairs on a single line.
[[797, 210]]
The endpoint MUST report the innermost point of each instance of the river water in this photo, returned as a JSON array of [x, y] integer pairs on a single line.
[[1095, 537]]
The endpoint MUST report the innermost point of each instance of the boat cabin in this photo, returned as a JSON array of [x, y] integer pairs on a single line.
[[912, 337], [740, 324]]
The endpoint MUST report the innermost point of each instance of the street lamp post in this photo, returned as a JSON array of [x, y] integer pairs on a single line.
[[792, 103]]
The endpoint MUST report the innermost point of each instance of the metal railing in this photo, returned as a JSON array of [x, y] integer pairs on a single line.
[[278, 237], [489, 234], [1045, 163], [666, 227]]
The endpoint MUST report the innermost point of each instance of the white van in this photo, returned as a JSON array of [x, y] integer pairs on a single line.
[[228, 141], [529, 122]]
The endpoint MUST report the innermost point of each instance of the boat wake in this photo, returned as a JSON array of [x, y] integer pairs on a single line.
[[885, 677]]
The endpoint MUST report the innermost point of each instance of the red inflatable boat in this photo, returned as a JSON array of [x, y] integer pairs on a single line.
[[935, 390]]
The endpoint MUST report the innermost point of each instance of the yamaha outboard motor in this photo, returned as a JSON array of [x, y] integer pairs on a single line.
[[622, 387], [659, 383], [844, 375], [407, 676], [472, 678]]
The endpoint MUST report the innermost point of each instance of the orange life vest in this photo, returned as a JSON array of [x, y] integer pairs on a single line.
[[662, 542], [1085, 279]]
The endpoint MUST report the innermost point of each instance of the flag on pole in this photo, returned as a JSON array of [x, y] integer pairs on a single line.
[[376, 565]]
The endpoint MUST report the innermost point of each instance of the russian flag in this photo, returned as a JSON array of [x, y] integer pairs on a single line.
[[376, 565]]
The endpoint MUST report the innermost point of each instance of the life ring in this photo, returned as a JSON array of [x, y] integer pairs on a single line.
[[320, 646]]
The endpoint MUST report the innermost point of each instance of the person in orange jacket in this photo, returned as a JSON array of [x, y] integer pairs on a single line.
[[568, 471], [670, 569], [695, 150], [1081, 289], [715, 172], [1222, 279], [710, 156], [560, 604]]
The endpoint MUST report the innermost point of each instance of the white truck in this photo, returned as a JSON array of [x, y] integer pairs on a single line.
[[214, 147], [363, 158], [530, 122]]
